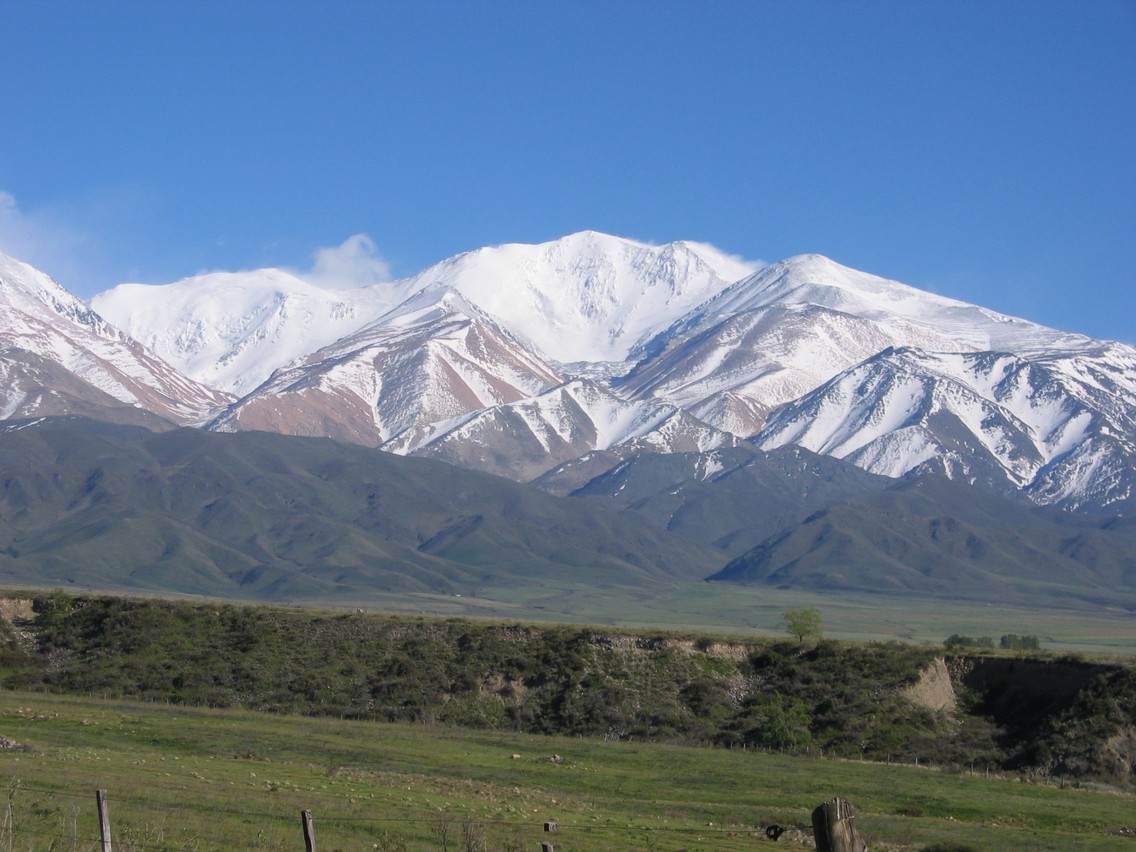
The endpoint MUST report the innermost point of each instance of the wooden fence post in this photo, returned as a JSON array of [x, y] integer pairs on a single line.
[[309, 831], [104, 819], [834, 827]]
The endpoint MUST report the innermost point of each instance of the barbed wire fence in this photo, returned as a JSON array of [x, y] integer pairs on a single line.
[[38, 818]]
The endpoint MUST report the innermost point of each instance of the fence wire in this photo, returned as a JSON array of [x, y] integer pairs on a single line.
[[36, 818]]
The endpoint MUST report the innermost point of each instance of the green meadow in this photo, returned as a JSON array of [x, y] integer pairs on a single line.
[[180, 778]]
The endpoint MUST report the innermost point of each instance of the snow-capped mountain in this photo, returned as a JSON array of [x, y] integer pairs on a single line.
[[518, 358], [435, 359], [1048, 423], [481, 338], [774, 336], [817, 281], [524, 439], [230, 330], [587, 297], [57, 356]]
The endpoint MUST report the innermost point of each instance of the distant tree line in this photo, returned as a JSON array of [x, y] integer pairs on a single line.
[[1009, 642]]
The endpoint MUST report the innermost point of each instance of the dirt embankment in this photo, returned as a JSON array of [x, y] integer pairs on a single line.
[[934, 689], [16, 609]]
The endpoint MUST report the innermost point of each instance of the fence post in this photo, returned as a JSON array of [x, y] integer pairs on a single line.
[[309, 831], [834, 827], [104, 819]]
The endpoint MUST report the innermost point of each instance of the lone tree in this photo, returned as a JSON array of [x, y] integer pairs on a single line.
[[802, 624]]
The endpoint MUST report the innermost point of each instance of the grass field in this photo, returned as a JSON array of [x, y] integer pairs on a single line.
[[752, 611], [181, 778]]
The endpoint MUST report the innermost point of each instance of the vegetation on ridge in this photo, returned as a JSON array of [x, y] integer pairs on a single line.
[[839, 699]]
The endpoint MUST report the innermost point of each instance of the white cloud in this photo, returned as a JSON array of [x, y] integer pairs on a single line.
[[356, 262], [39, 238], [735, 267]]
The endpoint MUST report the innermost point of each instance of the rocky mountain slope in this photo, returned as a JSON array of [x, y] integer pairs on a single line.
[[1057, 424]]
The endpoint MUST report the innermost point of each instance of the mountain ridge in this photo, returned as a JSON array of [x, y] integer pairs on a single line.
[[262, 516], [805, 426], [471, 361]]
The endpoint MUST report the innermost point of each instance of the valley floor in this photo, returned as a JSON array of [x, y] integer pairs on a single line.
[[748, 611]]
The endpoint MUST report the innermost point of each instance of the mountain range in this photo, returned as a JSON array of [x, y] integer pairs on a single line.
[[594, 360]]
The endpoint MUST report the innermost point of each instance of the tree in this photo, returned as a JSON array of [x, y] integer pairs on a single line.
[[802, 624], [1014, 642]]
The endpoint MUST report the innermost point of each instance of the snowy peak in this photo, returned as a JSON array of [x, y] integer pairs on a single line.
[[816, 280], [433, 360], [26, 290], [588, 296], [774, 336], [59, 357], [515, 358], [232, 329], [1005, 421]]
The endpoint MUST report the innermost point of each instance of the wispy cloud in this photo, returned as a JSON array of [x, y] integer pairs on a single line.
[[40, 238], [735, 266], [356, 262]]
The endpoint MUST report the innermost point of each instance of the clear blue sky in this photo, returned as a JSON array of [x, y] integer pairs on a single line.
[[984, 150]]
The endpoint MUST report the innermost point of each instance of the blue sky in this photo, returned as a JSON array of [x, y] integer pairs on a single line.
[[983, 150]]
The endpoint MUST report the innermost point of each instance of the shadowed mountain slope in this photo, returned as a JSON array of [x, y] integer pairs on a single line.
[[733, 498], [264, 516], [929, 535]]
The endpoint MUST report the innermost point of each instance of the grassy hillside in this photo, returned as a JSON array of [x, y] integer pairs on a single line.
[[930, 535], [733, 498], [263, 517], [260, 516], [792, 520]]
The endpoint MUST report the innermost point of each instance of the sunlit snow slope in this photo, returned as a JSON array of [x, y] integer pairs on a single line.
[[232, 329], [57, 356]]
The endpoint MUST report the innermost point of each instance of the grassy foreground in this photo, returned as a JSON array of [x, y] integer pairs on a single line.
[[187, 778]]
